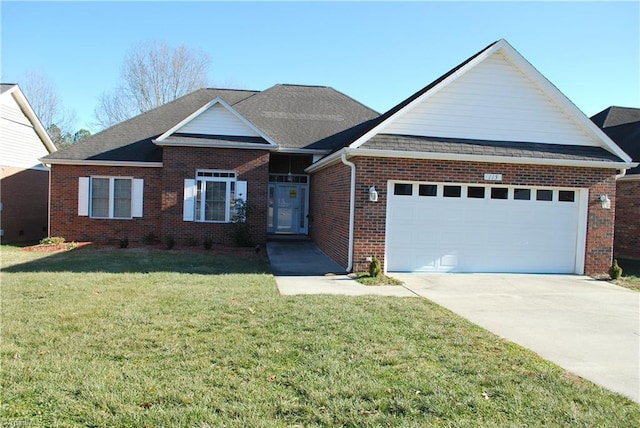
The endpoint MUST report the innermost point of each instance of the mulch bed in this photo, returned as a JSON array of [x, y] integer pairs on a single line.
[[140, 247]]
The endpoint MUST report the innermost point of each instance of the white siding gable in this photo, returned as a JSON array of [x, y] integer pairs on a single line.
[[494, 100], [217, 120], [20, 145]]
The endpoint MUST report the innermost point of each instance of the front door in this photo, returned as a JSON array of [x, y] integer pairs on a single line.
[[288, 208]]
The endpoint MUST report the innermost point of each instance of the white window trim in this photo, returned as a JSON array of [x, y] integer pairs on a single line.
[[111, 197]]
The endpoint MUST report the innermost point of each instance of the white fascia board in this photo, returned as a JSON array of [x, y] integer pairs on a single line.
[[561, 99], [251, 146], [22, 101], [631, 177], [100, 163], [350, 152], [206, 107], [446, 82]]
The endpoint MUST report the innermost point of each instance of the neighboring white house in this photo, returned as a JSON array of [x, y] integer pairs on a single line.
[[24, 181]]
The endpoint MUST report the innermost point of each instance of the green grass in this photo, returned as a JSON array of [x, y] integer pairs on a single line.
[[630, 274], [137, 338]]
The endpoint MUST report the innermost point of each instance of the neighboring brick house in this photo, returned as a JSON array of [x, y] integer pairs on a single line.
[[488, 169], [24, 181], [622, 125]]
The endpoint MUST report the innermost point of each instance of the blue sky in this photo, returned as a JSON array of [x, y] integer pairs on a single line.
[[376, 52]]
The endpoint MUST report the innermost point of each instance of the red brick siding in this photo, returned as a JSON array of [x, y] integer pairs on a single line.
[[627, 229], [329, 209], [24, 196], [65, 221], [370, 218], [180, 163]]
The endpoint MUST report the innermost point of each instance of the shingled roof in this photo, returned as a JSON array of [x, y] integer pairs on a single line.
[[513, 149], [622, 125], [293, 116]]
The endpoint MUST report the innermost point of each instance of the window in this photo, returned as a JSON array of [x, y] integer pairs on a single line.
[[403, 189], [522, 194], [566, 196], [475, 192], [499, 193], [544, 195], [428, 190], [215, 195], [111, 197], [452, 191]]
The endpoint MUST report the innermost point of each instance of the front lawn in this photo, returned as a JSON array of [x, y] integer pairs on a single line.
[[133, 338]]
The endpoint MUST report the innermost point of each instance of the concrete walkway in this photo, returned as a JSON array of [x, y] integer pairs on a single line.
[[300, 267], [588, 327]]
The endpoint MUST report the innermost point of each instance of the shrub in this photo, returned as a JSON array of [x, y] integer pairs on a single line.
[[241, 232], [149, 239], [208, 243], [72, 245], [375, 269], [615, 271], [124, 242], [170, 242], [52, 240]]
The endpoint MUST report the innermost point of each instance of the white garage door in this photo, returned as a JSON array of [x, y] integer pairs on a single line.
[[436, 227]]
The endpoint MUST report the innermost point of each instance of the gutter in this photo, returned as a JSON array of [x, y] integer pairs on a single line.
[[352, 211]]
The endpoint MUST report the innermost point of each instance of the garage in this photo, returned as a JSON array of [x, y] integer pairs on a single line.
[[451, 227]]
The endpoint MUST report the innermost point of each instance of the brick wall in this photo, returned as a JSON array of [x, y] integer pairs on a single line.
[[329, 211], [627, 228], [24, 196], [66, 223], [369, 236], [181, 163]]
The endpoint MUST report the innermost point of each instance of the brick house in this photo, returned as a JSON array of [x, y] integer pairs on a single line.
[[24, 181], [488, 169], [622, 125]]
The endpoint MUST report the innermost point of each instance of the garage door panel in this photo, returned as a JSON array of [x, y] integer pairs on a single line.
[[481, 235]]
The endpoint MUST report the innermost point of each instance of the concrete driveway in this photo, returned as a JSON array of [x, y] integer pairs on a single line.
[[588, 327]]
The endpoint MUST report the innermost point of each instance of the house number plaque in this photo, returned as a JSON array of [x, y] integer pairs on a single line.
[[493, 177]]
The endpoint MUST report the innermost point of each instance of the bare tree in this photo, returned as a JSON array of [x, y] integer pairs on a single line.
[[45, 102], [153, 73]]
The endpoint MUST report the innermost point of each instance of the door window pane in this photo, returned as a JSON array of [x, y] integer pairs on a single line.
[[403, 189], [499, 193], [544, 195], [522, 194], [452, 191], [428, 190], [475, 192]]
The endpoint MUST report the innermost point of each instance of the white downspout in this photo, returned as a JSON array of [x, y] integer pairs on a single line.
[[352, 210], [623, 172]]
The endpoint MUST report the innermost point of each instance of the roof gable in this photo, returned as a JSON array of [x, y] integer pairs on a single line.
[[215, 119], [494, 95], [24, 138]]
